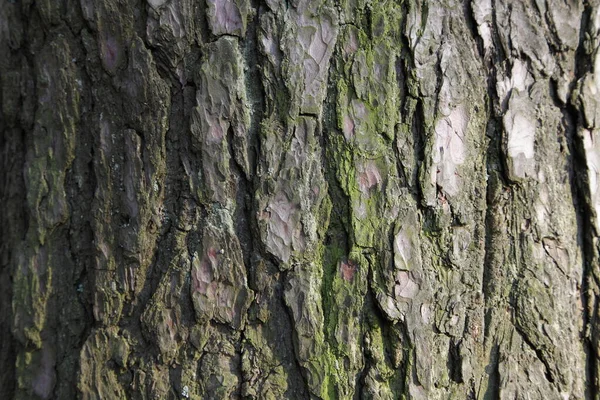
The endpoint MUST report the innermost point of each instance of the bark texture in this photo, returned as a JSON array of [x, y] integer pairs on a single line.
[[326, 199]]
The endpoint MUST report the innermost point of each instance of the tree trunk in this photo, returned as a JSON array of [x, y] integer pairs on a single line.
[[343, 199]]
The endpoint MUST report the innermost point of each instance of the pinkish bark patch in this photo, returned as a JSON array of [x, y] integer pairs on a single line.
[[347, 270], [43, 383], [225, 17], [368, 176], [310, 47], [283, 227], [216, 126], [348, 127], [110, 53], [203, 276], [351, 42]]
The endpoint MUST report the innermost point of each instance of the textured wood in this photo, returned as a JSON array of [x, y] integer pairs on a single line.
[[304, 199]]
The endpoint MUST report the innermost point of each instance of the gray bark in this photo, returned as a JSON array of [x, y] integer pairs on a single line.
[[302, 199]]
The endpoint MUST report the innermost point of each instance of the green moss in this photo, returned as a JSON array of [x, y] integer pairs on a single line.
[[31, 293], [332, 256]]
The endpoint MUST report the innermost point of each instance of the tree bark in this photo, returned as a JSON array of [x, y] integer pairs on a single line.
[[344, 199]]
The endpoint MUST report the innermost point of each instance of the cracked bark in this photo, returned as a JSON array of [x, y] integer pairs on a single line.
[[325, 199]]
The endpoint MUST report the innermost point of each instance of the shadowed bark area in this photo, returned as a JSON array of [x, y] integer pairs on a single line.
[[326, 199]]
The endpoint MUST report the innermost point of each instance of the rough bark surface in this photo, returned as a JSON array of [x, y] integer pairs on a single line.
[[334, 199]]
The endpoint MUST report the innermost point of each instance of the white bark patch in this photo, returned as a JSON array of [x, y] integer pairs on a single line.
[[589, 95], [403, 282], [482, 12], [520, 79], [269, 45], [521, 135], [425, 313], [449, 150], [402, 250], [596, 74], [405, 287], [283, 227], [592, 156], [520, 126], [407, 254], [390, 307], [543, 208]]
